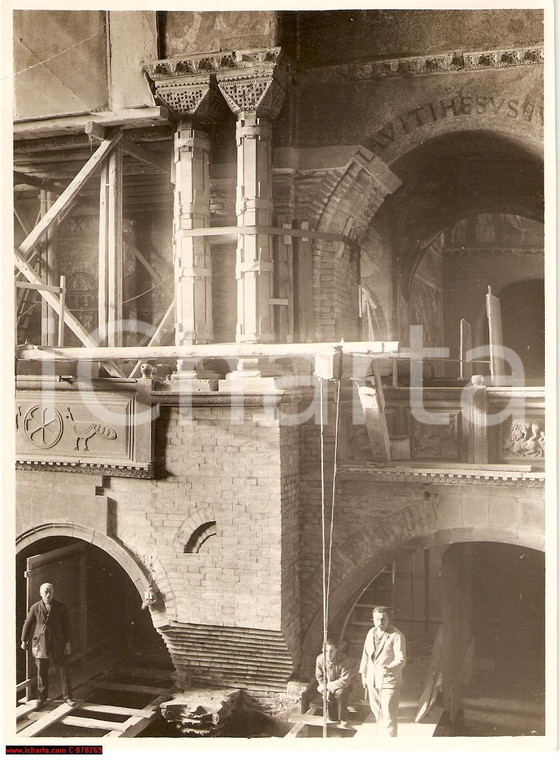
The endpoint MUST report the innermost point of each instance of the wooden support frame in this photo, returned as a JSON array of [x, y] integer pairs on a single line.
[[69, 194], [110, 266], [99, 132], [68, 318], [156, 336]]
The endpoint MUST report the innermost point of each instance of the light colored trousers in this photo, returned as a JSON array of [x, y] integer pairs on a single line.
[[384, 705]]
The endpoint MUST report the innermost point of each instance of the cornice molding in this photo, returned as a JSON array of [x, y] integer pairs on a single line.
[[450, 477], [443, 63], [488, 251], [121, 471]]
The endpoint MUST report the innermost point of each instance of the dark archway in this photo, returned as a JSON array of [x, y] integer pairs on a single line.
[[444, 180], [489, 600], [107, 620]]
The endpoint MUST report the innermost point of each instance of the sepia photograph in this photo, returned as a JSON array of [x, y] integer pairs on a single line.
[[276, 284]]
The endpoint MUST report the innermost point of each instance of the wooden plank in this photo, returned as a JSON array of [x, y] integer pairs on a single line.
[[295, 731], [283, 285], [201, 350], [114, 249], [132, 687], [69, 319], [495, 338], [62, 310], [465, 345], [103, 255], [108, 725], [26, 709], [309, 719], [95, 707], [69, 194], [135, 725], [51, 717], [33, 286], [303, 289], [58, 125], [373, 406]]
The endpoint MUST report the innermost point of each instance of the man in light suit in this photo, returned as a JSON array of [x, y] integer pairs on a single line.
[[383, 659], [46, 625]]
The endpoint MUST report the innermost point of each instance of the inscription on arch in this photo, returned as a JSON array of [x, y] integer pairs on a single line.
[[455, 107]]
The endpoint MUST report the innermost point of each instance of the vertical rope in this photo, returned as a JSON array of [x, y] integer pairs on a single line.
[[335, 466], [324, 550]]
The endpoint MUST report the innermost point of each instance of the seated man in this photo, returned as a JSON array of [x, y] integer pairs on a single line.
[[336, 679]]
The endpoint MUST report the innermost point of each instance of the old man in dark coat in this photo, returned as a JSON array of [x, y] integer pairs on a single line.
[[46, 626]]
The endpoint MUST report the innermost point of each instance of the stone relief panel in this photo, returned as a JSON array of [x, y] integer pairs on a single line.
[[441, 442], [102, 430], [523, 439]]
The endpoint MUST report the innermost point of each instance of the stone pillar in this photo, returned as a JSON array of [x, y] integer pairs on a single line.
[[194, 100], [193, 283], [254, 264], [254, 90]]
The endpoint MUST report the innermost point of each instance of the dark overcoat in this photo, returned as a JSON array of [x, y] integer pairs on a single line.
[[56, 629]]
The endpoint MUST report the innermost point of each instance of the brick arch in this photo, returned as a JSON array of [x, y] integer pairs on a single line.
[[365, 552], [193, 522], [132, 567], [347, 209]]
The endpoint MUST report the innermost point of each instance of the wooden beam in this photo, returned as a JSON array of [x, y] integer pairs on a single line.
[[108, 725], [156, 337], [465, 345], [495, 339], [114, 250], [134, 725], [69, 194], [95, 707], [373, 406], [20, 178], [32, 286], [65, 124], [208, 351], [145, 263], [141, 154], [69, 319], [51, 717]]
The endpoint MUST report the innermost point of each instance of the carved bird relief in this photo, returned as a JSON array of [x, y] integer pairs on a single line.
[[86, 430]]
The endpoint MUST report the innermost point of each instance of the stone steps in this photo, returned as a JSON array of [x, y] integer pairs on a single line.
[[240, 657]]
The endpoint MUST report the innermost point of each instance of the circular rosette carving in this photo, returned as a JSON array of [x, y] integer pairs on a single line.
[[43, 426]]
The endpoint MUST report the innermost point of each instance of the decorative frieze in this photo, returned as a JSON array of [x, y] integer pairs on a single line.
[[430, 64]]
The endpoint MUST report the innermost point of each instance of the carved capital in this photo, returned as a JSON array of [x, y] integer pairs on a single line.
[[190, 95], [249, 80], [258, 83]]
